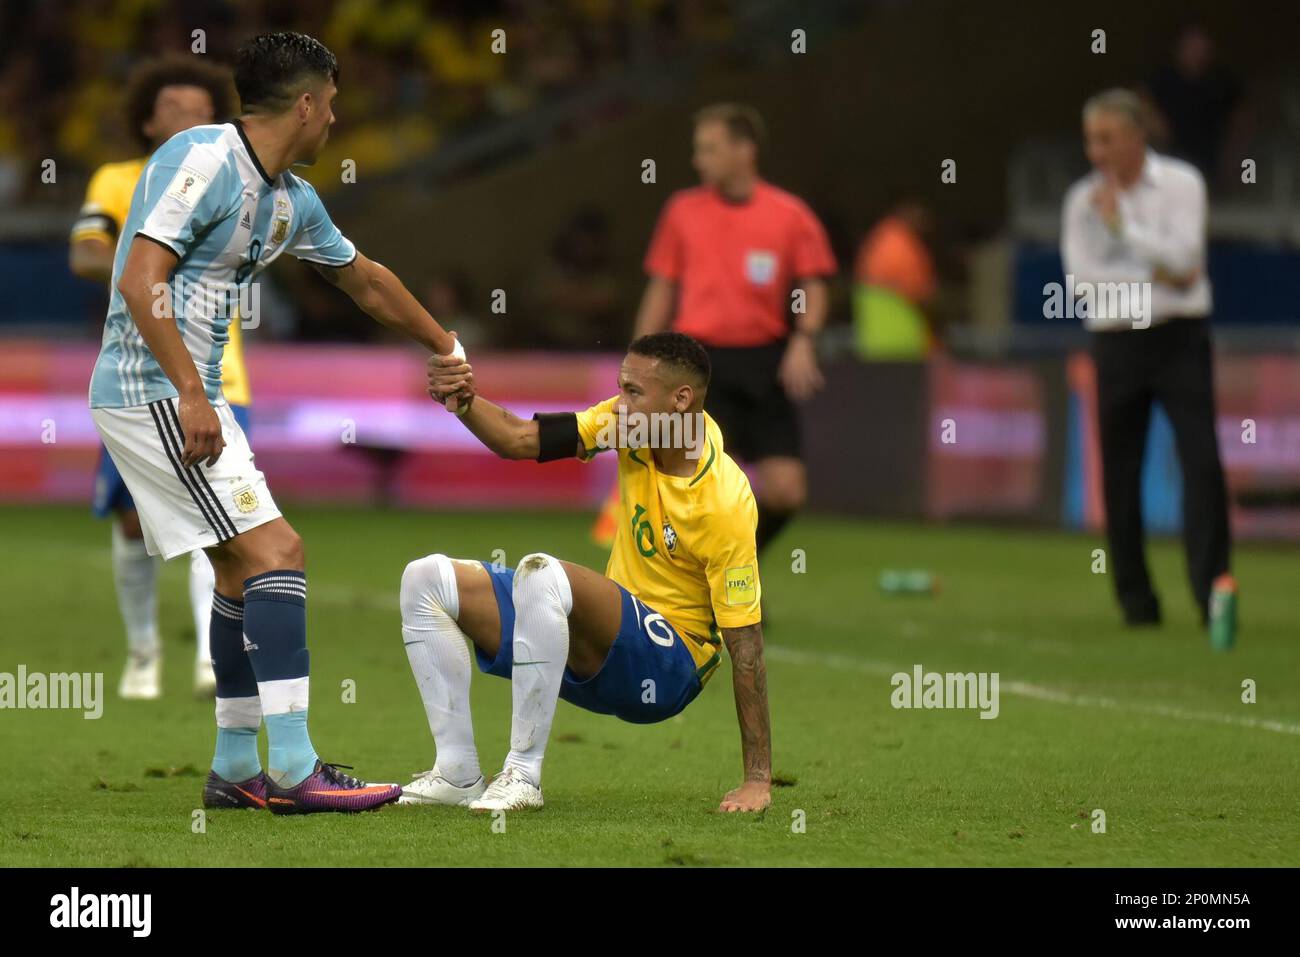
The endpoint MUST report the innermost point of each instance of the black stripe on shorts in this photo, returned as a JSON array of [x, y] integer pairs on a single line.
[[203, 479], [174, 453]]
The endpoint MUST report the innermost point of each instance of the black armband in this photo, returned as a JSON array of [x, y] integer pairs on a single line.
[[557, 435]]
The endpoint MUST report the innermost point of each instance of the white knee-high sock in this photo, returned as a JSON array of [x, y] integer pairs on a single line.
[[543, 601], [135, 573], [202, 581], [440, 660]]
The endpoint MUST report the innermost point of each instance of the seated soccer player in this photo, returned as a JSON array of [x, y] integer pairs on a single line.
[[638, 642]]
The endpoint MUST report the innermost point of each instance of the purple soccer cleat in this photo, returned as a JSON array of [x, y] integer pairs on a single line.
[[329, 789], [220, 793]]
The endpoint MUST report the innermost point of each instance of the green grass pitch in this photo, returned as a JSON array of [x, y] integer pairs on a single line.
[[1147, 726]]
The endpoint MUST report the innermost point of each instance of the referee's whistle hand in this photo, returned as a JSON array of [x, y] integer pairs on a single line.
[[201, 430]]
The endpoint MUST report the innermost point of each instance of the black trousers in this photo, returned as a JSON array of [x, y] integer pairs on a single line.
[[1170, 363]]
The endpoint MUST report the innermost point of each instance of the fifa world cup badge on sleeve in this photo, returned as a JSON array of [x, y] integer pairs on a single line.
[[740, 585], [187, 186]]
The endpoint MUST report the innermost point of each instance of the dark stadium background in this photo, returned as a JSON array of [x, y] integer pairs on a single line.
[[478, 172]]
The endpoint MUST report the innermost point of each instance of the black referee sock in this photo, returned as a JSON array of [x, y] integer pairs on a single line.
[[770, 523]]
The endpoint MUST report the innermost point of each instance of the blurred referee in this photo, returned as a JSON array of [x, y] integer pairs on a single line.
[[1139, 217], [723, 264]]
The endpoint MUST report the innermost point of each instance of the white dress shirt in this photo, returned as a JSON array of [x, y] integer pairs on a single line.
[[1161, 223]]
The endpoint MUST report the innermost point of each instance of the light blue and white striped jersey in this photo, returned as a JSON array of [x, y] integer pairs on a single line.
[[204, 195]]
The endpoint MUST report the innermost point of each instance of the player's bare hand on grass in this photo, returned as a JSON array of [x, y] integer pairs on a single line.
[[750, 796], [798, 373], [201, 429]]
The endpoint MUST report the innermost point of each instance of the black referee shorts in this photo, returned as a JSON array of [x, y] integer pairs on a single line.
[[757, 419]]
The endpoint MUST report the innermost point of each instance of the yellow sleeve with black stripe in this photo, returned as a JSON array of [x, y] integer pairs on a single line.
[[108, 201]]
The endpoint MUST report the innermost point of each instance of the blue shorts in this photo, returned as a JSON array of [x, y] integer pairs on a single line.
[[648, 675], [111, 494]]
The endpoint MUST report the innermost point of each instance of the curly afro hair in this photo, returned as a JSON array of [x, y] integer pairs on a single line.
[[149, 78]]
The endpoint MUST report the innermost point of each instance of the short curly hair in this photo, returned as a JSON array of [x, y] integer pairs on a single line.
[[273, 69], [149, 78], [678, 350]]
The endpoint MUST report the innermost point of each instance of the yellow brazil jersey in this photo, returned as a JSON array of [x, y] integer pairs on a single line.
[[685, 544], [108, 201]]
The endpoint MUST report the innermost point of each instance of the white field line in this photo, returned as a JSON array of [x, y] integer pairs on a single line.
[[381, 600], [1037, 692]]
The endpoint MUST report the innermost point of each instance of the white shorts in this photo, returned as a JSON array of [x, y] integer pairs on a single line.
[[183, 509]]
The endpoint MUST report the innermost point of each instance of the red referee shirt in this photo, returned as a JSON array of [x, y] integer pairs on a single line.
[[735, 262]]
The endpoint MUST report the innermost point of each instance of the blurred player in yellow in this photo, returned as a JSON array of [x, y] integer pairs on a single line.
[[638, 642], [164, 96]]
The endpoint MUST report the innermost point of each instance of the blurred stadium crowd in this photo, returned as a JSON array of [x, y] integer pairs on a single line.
[[426, 80]]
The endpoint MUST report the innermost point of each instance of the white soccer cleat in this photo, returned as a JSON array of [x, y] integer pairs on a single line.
[[432, 788], [205, 680], [142, 678], [509, 791]]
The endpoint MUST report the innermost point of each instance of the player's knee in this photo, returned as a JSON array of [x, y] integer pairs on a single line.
[[290, 552], [429, 587], [539, 576]]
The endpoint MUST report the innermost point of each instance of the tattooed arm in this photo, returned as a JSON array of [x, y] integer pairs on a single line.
[[749, 681], [381, 295]]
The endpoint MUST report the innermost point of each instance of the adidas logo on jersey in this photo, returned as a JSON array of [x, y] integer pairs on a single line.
[[248, 645], [246, 222]]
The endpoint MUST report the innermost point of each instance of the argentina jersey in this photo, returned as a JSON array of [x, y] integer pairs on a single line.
[[205, 196]]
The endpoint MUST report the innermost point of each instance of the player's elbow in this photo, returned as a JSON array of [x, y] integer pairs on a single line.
[[520, 447]]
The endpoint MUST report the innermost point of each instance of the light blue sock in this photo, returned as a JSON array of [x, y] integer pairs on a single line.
[[236, 756], [290, 752], [275, 637]]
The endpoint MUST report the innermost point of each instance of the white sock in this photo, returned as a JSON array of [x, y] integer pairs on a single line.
[[202, 581], [440, 660], [135, 573], [543, 600]]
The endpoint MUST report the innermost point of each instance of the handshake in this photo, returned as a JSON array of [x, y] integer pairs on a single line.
[[451, 380]]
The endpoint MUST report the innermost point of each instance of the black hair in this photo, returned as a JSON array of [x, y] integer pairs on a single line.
[[675, 349], [272, 69], [149, 78]]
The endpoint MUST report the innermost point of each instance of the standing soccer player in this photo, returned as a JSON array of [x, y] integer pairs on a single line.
[[214, 206], [164, 97], [723, 262]]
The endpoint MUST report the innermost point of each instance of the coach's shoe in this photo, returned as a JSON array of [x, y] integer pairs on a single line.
[[430, 787], [140, 680], [329, 789], [509, 791], [220, 793], [205, 679]]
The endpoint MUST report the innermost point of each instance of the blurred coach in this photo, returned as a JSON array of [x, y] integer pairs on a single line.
[[723, 263], [1140, 217]]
